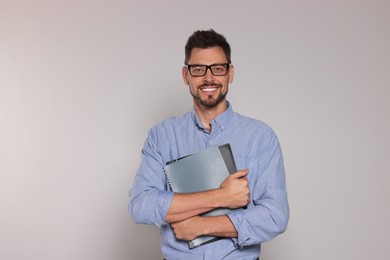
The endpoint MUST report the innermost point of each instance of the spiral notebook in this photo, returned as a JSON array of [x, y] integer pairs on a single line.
[[201, 171]]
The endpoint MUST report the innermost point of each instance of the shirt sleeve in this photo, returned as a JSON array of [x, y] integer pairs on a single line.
[[149, 198], [268, 213]]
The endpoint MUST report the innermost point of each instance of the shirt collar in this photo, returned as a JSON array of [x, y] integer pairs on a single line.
[[220, 121]]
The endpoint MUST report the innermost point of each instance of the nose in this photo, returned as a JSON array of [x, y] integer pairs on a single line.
[[208, 77]]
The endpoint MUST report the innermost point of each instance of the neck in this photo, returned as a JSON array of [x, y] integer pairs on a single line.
[[208, 114]]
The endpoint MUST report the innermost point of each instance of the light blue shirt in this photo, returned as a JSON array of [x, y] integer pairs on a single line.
[[254, 145]]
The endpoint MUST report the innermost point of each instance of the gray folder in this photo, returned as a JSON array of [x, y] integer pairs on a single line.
[[201, 171]]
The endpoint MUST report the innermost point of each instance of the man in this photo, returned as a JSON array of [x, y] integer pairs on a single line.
[[259, 185]]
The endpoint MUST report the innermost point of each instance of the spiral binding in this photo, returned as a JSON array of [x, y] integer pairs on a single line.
[[169, 184]]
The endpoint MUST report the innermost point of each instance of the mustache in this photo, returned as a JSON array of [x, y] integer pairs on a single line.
[[205, 85]]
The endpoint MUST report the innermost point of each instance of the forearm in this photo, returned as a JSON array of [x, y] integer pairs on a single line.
[[220, 226], [188, 205], [197, 226]]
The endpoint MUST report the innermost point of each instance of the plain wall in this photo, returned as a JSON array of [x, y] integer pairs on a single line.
[[81, 82]]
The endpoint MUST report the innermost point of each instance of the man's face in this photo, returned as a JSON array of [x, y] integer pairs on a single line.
[[208, 90]]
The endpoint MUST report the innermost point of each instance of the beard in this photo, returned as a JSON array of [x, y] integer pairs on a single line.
[[209, 101]]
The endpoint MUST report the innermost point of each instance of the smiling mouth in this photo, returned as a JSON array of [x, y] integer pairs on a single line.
[[209, 88]]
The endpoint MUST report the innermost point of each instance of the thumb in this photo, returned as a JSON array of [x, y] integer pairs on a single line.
[[240, 174]]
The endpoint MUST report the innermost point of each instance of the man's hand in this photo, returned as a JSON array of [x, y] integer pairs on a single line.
[[187, 229], [235, 190]]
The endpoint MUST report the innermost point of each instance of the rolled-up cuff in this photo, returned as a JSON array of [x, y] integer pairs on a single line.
[[164, 200]]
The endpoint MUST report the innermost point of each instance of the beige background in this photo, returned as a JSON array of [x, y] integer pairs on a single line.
[[82, 81]]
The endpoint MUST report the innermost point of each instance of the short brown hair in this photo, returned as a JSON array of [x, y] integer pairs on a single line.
[[207, 39]]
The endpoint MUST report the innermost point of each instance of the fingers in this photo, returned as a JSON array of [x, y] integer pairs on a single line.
[[235, 190], [239, 174]]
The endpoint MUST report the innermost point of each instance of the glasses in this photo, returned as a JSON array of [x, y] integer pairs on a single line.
[[197, 70]]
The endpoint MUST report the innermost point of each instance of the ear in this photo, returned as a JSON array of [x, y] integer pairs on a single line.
[[184, 73], [231, 74]]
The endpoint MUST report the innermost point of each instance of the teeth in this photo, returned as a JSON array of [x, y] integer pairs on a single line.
[[209, 89]]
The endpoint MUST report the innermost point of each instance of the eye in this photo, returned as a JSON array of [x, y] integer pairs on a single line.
[[197, 69], [219, 69]]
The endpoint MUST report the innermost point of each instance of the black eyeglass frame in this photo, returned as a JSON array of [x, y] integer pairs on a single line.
[[207, 68]]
